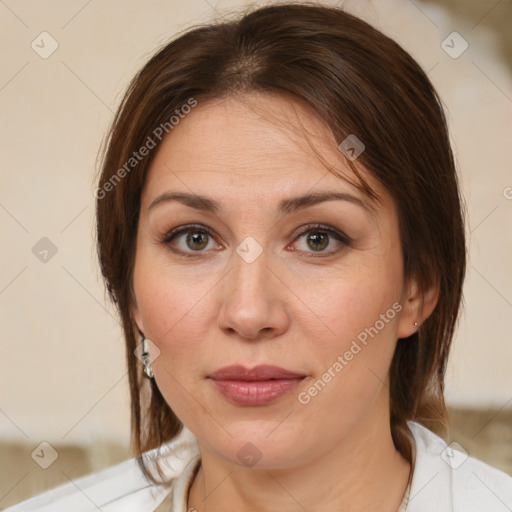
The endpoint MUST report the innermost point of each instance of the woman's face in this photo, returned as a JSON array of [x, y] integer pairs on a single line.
[[267, 266]]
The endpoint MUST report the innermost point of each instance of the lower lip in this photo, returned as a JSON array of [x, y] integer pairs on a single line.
[[253, 393]]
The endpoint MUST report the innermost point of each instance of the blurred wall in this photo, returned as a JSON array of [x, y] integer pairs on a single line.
[[62, 372]]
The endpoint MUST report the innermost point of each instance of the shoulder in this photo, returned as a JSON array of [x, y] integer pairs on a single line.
[[447, 478], [119, 488]]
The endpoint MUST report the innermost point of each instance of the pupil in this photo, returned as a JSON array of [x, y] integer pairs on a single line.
[[196, 239], [320, 239]]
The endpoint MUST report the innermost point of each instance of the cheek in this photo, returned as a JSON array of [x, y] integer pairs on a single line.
[[166, 295], [359, 310], [173, 311], [352, 362], [351, 300], [361, 336]]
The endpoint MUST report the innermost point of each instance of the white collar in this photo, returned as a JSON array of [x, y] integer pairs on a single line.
[[443, 480]]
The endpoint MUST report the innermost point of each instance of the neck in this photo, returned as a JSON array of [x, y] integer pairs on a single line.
[[363, 472]]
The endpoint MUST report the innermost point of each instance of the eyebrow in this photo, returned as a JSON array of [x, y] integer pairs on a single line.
[[286, 206]]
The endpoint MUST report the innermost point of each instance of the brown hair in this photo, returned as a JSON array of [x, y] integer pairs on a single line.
[[359, 82]]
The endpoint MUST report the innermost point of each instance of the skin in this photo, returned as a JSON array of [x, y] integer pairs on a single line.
[[294, 306]]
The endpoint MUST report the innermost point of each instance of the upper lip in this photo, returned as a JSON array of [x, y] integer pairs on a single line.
[[261, 372]]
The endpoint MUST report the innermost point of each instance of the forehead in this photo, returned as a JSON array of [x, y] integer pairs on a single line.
[[262, 144]]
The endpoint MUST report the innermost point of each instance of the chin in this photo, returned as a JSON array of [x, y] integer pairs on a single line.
[[259, 444]]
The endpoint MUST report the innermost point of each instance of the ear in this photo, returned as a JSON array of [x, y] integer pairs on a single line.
[[417, 307]]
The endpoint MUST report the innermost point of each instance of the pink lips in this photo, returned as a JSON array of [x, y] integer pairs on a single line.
[[260, 385]]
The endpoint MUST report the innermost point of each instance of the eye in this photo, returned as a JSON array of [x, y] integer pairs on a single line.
[[188, 240], [194, 240], [318, 238]]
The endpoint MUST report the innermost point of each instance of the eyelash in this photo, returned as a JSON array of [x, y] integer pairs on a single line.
[[311, 228]]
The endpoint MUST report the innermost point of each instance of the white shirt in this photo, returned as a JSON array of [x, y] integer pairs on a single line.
[[444, 480]]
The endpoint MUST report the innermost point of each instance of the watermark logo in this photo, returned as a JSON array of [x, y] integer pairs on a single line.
[[454, 455], [44, 45], [454, 45], [44, 250], [352, 147], [249, 455], [249, 249], [153, 352], [44, 455]]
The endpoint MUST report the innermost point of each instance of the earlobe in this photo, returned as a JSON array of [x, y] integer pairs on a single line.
[[417, 307]]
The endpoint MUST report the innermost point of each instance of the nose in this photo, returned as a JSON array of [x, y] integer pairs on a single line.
[[253, 300]]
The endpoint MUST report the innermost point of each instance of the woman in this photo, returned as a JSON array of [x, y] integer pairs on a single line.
[[280, 227]]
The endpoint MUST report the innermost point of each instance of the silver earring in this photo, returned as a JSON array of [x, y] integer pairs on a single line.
[[148, 371], [415, 325]]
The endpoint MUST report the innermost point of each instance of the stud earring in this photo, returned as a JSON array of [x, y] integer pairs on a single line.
[[415, 325], [148, 371]]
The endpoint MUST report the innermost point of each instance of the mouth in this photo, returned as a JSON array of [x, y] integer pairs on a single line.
[[261, 385]]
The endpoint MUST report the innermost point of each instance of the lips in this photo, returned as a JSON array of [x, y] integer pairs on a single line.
[[261, 385], [258, 373]]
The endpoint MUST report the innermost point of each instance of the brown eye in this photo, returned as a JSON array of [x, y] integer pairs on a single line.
[[317, 240], [323, 240], [196, 240], [187, 240]]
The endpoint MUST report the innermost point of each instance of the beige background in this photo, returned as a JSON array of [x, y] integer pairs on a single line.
[[62, 373]]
